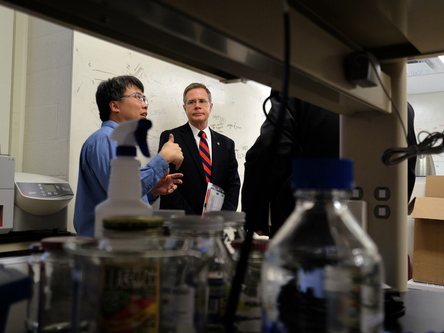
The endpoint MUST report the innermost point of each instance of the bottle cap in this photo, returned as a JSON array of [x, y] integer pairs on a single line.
[[168, 213], [57, 243], [323, 174], [228, 215], [132, 223], [260, 245], [197, 223]]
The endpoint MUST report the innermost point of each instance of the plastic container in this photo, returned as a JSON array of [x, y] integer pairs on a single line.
[[234, 223], [167, 215], [322, 272], [132, 281], [212, 280], [124, 191], [249, 313], [32, 306], [55, 287]]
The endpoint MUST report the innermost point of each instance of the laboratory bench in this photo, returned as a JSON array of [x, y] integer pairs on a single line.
[[424, 313], [18, 243], [424, 309]]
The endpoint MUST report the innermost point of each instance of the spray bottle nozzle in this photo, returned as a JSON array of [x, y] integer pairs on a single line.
[[129, 134], [140, 134]]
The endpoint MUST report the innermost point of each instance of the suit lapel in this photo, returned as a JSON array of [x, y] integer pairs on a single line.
[[190, 142], [216, 147]]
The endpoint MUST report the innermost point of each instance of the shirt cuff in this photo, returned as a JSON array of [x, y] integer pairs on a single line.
[[152, 173], [151, 198], [159, 163]]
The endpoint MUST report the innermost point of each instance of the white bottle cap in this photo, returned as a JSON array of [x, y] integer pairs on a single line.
[[228, 215], [197, 223]]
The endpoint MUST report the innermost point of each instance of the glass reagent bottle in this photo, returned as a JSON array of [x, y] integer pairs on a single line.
[[322, 272]]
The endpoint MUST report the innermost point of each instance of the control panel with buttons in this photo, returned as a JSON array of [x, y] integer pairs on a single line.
[[44, 190]]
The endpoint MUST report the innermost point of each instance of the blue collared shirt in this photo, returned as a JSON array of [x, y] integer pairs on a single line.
[[94, 170]]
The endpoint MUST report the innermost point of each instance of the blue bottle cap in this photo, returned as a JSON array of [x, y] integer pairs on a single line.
[[323, 174]]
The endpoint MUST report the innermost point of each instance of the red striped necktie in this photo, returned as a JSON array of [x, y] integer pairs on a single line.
[[205, 155]]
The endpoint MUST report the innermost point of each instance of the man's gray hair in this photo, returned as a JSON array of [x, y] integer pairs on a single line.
[[195, 86]]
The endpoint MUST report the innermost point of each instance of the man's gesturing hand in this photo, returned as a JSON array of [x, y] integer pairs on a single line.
[[172, 153], [167, 184]]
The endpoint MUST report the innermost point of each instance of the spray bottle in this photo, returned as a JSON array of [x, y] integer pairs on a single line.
[[125, 189]]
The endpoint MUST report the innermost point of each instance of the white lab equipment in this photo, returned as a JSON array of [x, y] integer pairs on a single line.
[[40, 202]]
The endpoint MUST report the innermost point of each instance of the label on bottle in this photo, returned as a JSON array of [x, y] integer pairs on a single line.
[[185, 297], [229, 236], [217, 298], [130, 298], [249, 314], [178, 309]]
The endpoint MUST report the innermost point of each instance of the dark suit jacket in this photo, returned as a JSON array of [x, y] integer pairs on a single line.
[[191, 194]]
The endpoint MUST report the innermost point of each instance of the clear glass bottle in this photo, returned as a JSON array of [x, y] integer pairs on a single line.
[[55, 287], [32, 308], [234, 223], [214, 268], [125, 282], [249, 314], [167, 215], [127, 278], [322, 272]]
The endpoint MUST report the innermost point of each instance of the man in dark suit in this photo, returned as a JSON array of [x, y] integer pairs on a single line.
[[220, 164]]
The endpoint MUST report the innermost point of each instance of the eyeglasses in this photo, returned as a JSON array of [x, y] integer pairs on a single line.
[[139, 96], [194, 101]]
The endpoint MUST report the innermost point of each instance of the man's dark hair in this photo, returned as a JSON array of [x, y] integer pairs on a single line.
[[112, 90]]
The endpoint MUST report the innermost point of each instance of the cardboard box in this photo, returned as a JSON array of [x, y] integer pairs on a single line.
[[434, 186], [428, 248]]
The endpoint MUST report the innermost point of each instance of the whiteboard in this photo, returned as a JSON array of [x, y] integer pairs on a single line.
[[237, 107]]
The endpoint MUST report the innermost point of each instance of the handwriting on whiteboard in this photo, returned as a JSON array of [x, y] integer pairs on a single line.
[[218, 123], [241, 152], [234, 126]]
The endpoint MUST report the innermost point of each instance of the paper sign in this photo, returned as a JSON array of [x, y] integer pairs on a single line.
[[214, 198]]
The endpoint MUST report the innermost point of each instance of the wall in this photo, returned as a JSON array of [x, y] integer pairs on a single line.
[[48, 99], [237, 110], [6, 42], [18, 89], [429, 116], [49, 75], [64, 69]]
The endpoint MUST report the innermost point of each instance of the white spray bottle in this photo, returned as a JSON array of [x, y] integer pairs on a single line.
[[125, 189]]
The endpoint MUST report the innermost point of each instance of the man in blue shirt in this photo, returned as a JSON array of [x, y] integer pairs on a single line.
[[119, 99]]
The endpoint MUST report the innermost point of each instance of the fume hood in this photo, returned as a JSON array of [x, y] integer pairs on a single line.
[[243, 40]]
